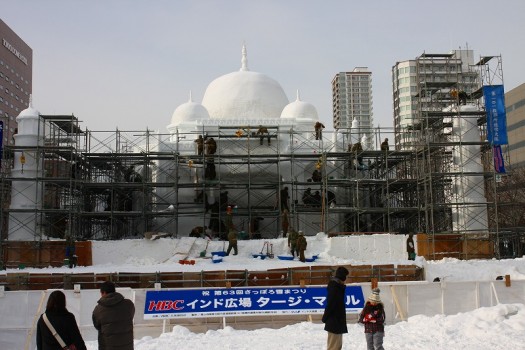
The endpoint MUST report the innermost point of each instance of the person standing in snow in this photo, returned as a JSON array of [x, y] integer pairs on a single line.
[[292, 241], [232, 242], [373, 317], [301, 246], [334, 316], [411, 250], [63, 322], [113, 319]]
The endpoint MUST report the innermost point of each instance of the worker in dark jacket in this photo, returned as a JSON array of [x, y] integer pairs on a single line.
[[113, 318], [200, 145], [318, 130], [411, 250], [262, 132], [63, 322], [232, 242], [384, 145], [334, 317], [301, 246]]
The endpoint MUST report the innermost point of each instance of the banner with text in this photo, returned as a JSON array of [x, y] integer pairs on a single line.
[[496, 114], [219, 302]]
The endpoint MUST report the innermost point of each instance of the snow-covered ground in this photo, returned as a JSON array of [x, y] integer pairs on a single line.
[[498, 327]]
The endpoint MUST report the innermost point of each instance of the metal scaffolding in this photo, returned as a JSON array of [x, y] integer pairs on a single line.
[[119, 184], [454, 159]]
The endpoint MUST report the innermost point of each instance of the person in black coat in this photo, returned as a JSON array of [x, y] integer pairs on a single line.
[[64, 323], [334, 317]]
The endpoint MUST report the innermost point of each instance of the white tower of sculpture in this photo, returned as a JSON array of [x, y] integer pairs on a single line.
[[470, 214], [26, 191]]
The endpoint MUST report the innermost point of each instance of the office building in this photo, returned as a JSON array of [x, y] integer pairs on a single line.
[[352, 99], [435, 74], [515, 106], [16, 74]]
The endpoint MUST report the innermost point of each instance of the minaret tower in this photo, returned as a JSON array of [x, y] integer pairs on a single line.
[[26, 191]]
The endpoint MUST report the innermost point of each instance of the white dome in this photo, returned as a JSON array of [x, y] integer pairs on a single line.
[[300, 109], [189, 111], [244, 94]]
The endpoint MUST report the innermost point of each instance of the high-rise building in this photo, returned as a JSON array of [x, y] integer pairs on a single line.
[[434, 74], [16, 79], [515, 106], [352, 99]]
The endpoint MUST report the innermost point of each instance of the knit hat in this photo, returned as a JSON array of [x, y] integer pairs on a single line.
[[301, 233], [341, 273], [374, 296]]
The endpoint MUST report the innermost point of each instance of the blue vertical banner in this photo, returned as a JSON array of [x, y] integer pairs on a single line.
[[1, 140], [496, 116], [499, 165]]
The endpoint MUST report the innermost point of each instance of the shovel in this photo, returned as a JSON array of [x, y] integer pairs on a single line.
[[262, 249], [203, 253]]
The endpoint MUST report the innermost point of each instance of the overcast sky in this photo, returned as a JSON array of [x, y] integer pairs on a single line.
[[130, 63]]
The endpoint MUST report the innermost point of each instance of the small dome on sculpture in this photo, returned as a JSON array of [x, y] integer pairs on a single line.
[[300, 109], [189, 111]]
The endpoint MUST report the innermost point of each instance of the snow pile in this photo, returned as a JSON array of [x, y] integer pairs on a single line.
[[498, 327]]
